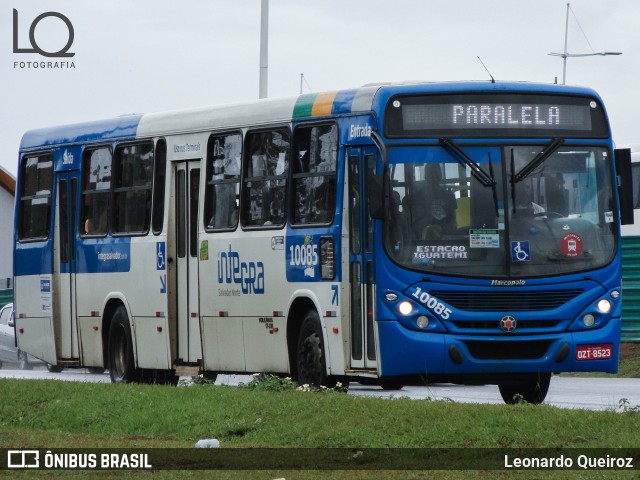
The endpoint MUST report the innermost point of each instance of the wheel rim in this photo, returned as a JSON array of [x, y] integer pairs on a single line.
[[310, 360], [119, 353]]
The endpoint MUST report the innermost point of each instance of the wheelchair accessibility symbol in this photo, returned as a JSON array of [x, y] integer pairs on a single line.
[[160, 256], [520, 251]]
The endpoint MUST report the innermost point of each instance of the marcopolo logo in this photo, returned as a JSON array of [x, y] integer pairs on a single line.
[[37, 47]]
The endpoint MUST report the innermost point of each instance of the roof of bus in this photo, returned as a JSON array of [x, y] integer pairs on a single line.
[[266, 111]]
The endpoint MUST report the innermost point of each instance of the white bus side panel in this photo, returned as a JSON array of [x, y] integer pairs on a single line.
[[242, 283], [33, 316], [143, 299], [223, 341], [152, 336], [91, 341]]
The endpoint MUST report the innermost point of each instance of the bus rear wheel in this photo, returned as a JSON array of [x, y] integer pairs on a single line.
[[311, 362], [121, 362], [533, 389]]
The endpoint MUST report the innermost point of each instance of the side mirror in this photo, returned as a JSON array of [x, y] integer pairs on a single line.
[[625, 184], [11, 323]]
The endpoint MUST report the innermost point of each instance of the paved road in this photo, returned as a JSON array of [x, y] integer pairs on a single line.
[[565, 392]]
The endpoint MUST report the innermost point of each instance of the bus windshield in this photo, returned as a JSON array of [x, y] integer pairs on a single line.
[[531, 213]]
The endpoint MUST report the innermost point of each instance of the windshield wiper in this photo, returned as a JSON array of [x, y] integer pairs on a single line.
[[476, 170], [537, 160], [486, 179]]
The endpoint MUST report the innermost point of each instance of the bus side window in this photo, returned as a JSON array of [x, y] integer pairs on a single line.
[[266, 166], [96, 186], [314, 174], [35, 197], [159, 174], [224, 154], [132, 180]]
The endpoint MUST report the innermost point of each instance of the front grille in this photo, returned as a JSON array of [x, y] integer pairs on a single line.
[[495, 324], [478, 301], [509, 350]]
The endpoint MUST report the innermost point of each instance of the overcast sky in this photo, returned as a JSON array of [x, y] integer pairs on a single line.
[[152, 55]]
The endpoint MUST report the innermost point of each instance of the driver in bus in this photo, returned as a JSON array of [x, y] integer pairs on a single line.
[[433, 206]]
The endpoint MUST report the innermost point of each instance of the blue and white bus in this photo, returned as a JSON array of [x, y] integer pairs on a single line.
[[459, 232]]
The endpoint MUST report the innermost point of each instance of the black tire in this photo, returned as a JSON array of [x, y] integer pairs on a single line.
[[533, 389], [122, 366], [54, 368], [311, 363], [96, 370], [390, 384], [154, 376], [23, 361]]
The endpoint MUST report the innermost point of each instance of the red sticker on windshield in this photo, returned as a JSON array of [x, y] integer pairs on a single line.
[[571, 245]]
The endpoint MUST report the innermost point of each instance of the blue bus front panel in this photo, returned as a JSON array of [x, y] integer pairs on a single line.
[[406, 352], [543, 331]]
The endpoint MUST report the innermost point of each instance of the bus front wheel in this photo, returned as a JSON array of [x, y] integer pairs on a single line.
[[311, 364], [121, 362], [533, 389]]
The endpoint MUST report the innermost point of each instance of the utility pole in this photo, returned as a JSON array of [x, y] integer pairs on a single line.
[[566, 40], [566, 54], [264, 48]]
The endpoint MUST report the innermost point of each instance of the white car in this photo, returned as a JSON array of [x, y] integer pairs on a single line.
[[9, 353]]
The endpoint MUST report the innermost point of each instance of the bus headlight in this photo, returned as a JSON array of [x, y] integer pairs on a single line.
[[422, 321], [604, 306], [588, 320], [405, 308]]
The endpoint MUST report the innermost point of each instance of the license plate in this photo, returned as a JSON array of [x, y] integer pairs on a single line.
[[594, 352]]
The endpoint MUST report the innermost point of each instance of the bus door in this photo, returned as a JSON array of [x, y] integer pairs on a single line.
[[64, 278], [361, 260], [187, 189]]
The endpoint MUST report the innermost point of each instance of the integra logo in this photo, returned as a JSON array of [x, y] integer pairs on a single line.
[[507, 283], [249, 275]]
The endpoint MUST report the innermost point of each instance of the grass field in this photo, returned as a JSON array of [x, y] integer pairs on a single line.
[[53, 414]]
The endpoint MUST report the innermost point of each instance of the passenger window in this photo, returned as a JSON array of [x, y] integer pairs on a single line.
[[314, 174], [96, 187], [221, 203], [159, 175], [35, 197], [132, 180], [266, 168]]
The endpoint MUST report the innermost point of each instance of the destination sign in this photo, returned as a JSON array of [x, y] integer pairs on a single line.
[[502, 114], [464, 115]]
